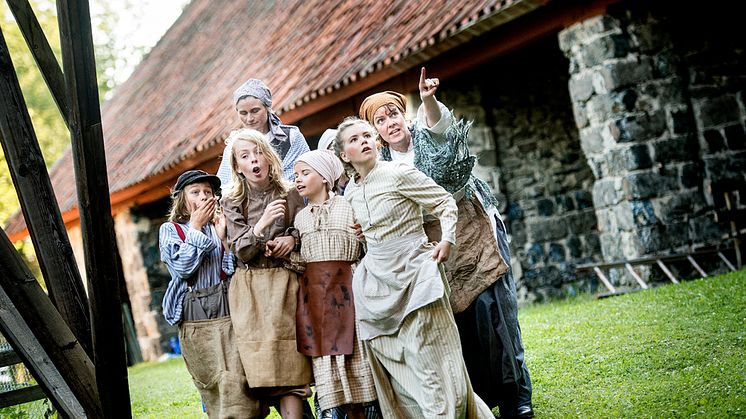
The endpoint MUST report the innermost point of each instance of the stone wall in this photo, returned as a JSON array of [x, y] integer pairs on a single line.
[[138, 287], [149, 218], [530, 154], [660, 111]]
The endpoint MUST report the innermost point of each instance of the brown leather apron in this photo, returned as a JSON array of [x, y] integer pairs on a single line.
[[325, 318]]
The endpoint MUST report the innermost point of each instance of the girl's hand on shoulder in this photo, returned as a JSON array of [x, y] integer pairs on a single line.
[[203, 214], [279, 247], [274, 211], [442, 251], [358, 231]]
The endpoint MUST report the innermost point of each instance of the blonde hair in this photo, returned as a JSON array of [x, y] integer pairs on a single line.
[[241, 187], [178, 211], [339, 141]]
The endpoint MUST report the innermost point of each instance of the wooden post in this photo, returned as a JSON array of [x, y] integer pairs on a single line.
[[38, 334], [103, 267], [39, 205], [42, 52]]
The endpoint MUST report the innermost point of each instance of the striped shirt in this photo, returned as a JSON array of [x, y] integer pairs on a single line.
[[195, 259], [325, 232], [298, 146], [388, 203]]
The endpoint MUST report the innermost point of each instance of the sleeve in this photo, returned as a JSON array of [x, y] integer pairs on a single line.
[[240, 235], [298, 146], [183, 258], [295, 205], [446, 120], [228, 264], [416, 186], [224, 171]]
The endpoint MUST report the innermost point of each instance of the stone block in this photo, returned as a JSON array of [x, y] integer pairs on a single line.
[[601, 24], [653, 239], [606, 192], [581, 86], [624, 101], [574, 247], [571, 37], [545, 207], [581, 222], [564, 203], [678, 121], [647, 184], [611, 245], [648, 37], [711, 112], [622, 73], [580, 115], [630, 246], [592, 244], [546, 230], [714, 140], [583, 199], [600, 108], [515, 212], [636, 157], [591, 141], [639, 127], [677, 234], [518, 233], [643, 213], [669, 91], [556, 253], [606, 219], [705, 230], [691, 175], [623, 216], [535, 256], [604, 48], [683, 148], [717, 168], [735, 136], [665, 65]]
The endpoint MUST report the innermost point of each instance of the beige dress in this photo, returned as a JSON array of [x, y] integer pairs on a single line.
[[341, 379], [263, 297], [401, 298]]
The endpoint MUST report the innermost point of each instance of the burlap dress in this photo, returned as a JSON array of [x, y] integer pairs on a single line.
[[326, 313], [263, 297]]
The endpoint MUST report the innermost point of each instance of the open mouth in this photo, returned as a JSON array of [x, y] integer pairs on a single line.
[[256, 170], [300, 188], [366, 149], [395, 132]]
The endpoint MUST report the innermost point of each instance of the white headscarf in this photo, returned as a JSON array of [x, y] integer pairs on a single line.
[[325, 163]]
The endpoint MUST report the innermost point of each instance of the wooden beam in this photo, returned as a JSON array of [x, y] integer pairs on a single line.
[[42, 53], [604, 280], [39, 206], [696, 266], [634, 275], [103, 267], [38, 335], [21, 395], [665, 270]]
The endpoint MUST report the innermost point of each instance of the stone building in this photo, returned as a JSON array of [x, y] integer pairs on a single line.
[[607, 129]]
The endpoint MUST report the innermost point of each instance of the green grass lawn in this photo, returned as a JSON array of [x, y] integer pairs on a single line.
[[673, 351]]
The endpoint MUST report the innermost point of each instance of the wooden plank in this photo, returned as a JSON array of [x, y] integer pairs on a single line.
[[42, 53], [639, 280], [21, 395], [38, 203], [40, 337], [727, 262], [696, 266], [604, 280], [645, 260], [103, 267], [665, 270], [8, 358]]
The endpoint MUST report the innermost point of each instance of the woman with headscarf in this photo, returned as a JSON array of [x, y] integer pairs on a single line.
[[483, 295], [253, 104]]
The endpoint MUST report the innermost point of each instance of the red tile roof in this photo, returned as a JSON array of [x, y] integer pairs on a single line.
[[177, 106]]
